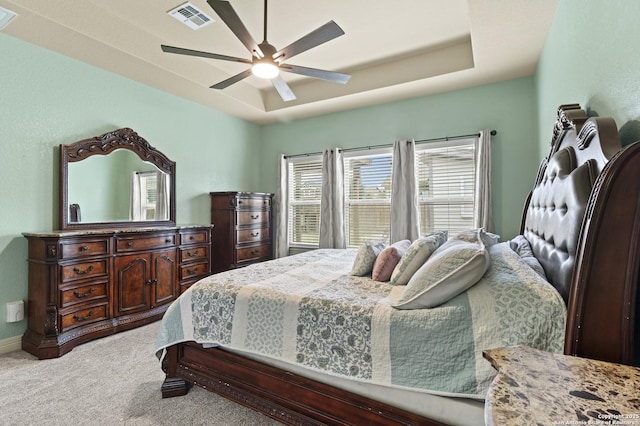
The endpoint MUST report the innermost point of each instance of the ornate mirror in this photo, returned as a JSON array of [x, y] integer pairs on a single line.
[[116, 180]]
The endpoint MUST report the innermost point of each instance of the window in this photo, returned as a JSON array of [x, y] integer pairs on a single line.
[[305, 190], [446, 190], [446, 182], [149, 185], [367, 196]]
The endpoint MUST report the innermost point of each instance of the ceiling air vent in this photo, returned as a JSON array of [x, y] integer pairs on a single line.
[[191, 16]]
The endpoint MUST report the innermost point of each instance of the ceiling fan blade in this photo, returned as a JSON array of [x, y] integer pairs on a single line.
[[181, 51], [226, 12], [283, 89], [231, 80], [327, 32], [332, 76]]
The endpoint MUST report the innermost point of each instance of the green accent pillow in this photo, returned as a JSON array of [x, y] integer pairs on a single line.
[[416, 255]]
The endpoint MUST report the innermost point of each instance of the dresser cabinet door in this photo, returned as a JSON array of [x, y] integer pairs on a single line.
[[163, 286], [132, 283]]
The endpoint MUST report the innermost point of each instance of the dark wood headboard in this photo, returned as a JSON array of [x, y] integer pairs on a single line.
[[582, 219]]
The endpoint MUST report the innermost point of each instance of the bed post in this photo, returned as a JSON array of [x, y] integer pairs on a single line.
[[172, 385]]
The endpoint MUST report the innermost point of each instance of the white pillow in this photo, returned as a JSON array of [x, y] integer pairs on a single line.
[[415, 256], [455, 267], [366, 257]]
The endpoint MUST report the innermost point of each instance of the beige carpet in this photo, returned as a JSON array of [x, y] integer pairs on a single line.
[[111, 381]]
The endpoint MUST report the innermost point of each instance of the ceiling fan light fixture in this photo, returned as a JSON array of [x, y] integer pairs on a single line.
[[265, 69]]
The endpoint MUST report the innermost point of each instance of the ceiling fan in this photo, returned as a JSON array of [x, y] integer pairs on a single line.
[[266, 61]]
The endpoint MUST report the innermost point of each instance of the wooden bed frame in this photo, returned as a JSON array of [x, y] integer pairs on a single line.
[[600, 290]]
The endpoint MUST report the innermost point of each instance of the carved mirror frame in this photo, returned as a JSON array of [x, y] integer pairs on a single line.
[[124, 138]]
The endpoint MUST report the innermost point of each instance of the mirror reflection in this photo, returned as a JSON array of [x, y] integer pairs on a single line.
[[117, 187]]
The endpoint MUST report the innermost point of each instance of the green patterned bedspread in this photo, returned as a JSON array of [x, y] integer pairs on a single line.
[[308, 311]]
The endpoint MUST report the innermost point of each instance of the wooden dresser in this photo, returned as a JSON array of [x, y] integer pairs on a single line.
[[85, 284], [243, 229]]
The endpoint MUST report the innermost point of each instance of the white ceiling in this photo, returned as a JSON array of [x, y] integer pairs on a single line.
[[393, 49]]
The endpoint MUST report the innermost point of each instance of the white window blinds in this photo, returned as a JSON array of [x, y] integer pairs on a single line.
[[367, 196], [305, 190], [446, 181]]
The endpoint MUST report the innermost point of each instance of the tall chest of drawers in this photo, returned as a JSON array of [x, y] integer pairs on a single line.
[[91, 283], [243, 229]]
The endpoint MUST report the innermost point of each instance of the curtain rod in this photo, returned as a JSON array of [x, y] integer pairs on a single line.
[[446, 138]]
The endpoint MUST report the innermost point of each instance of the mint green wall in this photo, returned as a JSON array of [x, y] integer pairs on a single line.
[[508, 107], [591, 57], [47, 99]]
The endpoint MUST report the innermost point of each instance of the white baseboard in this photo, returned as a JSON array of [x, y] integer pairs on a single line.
[[11, 344]]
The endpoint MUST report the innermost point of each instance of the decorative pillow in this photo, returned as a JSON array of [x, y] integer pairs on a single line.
[[388, 259], [471, 236], [455, 267], [522, 247], [366, 257], [416, 255]]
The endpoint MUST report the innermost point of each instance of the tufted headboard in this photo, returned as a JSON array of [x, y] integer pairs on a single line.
[[582, 219]]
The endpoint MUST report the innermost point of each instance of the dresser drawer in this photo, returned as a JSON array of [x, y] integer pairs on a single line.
[[84, 270], [253, 202], [125, 244], [85, 248], [194, 254], [89, 292], [252, 218], [252, 253], [253, 235], [194, 270], [194, 237], [84, 316]]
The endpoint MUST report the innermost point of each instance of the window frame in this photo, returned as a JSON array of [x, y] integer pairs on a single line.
[[464, 203], [292, 203], [348, 202]]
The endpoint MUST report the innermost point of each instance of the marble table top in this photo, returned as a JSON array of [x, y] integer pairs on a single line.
[[541, 388]]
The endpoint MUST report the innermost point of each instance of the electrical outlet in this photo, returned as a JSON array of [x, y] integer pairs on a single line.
[[15, 311]]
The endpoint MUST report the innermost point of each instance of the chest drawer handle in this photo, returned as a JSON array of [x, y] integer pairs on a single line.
[[85, 294], [192, 271], [255, 251], [84, 248], [192, 253], [129, 244], [255, 216], [255, 234], [167, 240], [84, 318], [86, 271]]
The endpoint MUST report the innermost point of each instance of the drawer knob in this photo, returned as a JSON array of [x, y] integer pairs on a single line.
[[83, 318], [80, 272], [167, 240], [85, 294], [84, 248], [191, 237], [129, 244]]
